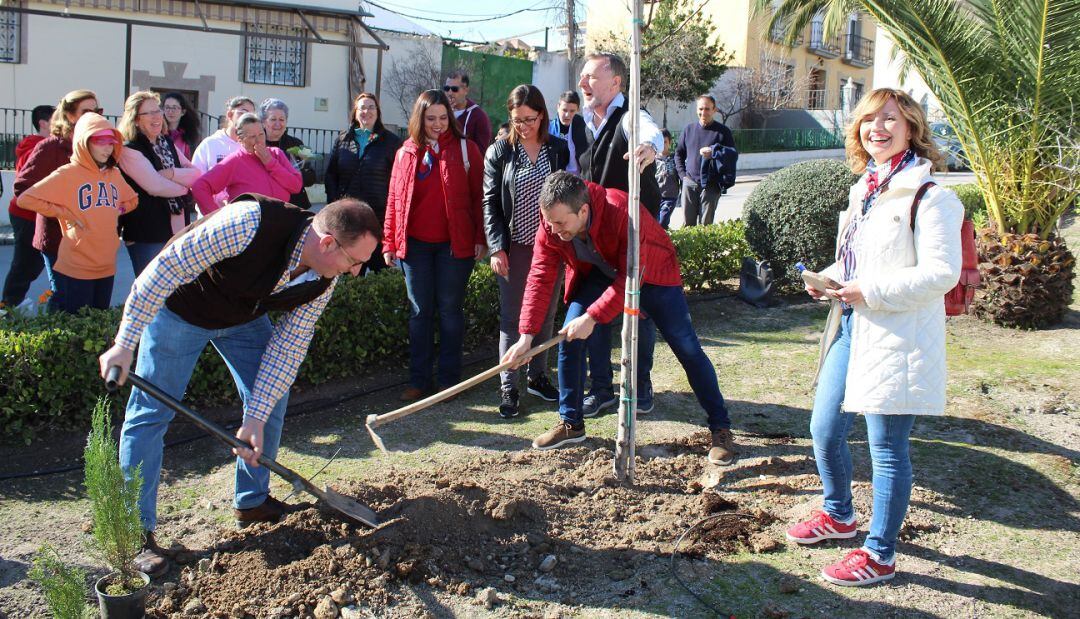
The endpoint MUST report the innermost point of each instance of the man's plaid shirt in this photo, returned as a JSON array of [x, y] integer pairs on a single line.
[[225, 236]]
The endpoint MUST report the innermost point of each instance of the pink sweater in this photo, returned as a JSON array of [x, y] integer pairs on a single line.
[[241, 173]]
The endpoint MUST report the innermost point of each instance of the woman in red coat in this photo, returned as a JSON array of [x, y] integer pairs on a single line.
[[434, 225]]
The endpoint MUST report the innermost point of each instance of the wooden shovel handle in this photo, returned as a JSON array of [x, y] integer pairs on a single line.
[[374, 421]]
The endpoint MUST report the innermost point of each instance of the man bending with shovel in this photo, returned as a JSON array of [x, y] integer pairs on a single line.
[[215, 282], [584, 227]]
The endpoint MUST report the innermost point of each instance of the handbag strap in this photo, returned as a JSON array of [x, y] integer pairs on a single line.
[[918, 198]]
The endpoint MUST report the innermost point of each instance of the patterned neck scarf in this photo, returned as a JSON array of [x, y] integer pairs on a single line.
[[427, 164], [165, 155], [874, 188], [875, 171]]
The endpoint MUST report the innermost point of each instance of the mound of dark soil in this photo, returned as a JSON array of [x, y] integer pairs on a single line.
[[542, 524]]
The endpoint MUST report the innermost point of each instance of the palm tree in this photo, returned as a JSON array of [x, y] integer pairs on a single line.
[[1005, 72]]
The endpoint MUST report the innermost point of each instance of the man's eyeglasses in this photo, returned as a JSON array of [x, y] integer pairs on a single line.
[[451, 88], [517, 122], [353, 262]]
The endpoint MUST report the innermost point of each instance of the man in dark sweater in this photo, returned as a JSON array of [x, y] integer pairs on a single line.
[[214, 283], [697, 141], [472, 119]]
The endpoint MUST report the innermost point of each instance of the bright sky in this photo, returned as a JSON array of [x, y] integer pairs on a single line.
[[530, 21]]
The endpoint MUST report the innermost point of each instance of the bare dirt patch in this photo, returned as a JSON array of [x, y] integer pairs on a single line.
[[504, 521]]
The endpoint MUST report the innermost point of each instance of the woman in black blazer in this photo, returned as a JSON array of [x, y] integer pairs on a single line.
[[514, 172], [362, 159]]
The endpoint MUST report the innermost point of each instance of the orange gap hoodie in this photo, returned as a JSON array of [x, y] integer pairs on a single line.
[[87, 200]]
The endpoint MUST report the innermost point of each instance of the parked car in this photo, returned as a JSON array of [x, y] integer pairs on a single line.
[[949, 145]]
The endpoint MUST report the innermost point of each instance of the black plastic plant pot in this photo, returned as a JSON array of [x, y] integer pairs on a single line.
[[129, 606]]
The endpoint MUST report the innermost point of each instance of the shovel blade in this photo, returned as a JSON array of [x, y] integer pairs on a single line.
[[344, 505]]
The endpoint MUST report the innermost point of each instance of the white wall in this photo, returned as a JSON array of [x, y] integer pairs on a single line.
[[887, 75], [402, 48], [62, 55], [51, 69]]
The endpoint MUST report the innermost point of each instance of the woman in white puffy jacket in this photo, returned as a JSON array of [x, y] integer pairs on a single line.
[[883, 350]]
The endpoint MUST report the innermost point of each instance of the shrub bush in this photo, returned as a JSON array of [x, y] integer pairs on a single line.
[[792, 215], [48, 364], [974, 203]]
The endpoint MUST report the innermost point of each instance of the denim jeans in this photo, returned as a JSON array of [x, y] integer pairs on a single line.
[[142, 253], [436, 283], [511, 294], [887, 436], [74, 294], [663, 308], [26, 262], [169, 349], [49, 260], [667, 205]]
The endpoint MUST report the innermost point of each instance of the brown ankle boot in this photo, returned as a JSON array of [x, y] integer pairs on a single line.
[[151, 561], [723, 448], [270, 511]]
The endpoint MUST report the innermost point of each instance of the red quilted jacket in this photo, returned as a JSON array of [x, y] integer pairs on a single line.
[[464, 196], [610, 217]]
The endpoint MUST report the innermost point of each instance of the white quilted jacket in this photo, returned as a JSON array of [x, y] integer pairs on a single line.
[[897, 363]]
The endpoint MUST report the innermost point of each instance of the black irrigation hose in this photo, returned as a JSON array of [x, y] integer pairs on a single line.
[[675, 556], [304, 409]]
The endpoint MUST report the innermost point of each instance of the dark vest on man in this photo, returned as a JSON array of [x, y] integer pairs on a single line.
[[152, 221], [240, 289], [603, 163]]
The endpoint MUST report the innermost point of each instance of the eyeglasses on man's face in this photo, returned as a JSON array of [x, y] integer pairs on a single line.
[[353, 262], [451, 88]]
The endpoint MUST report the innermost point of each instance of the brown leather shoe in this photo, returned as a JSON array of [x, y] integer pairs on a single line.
[[271, 510], [151, 561], [411, 394], [723, 448], [561, 435]]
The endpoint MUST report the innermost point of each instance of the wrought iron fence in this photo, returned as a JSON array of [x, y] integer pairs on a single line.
[[769, 140], [821, 45], [859, 49], [16, 123]]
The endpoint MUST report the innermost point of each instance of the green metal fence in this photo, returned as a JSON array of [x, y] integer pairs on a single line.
[[769, 140], [491, 78]]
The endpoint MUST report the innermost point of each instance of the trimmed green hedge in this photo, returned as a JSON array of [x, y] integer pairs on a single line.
[[974, 203], [48, 364], [791, 217]]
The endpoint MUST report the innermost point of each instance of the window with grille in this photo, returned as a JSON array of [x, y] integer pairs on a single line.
[[10, 36], [270, 60]]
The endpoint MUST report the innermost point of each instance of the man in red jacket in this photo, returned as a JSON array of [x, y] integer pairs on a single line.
[[26, 263], [584, 227]]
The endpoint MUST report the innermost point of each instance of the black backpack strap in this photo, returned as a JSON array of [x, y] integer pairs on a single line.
[[918, 198]]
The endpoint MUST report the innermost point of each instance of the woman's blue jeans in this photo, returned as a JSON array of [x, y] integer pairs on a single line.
[[888, 438], [436, 283], [168, 351], [142, 253]]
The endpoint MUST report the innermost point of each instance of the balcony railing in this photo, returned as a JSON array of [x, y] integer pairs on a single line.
[[859, 52], [822, 46], [816, 99]]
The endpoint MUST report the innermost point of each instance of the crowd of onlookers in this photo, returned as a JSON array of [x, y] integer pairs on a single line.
[[447, 195]]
